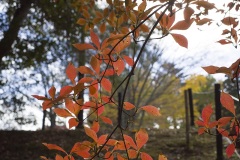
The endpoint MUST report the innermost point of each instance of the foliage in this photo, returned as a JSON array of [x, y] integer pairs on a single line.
[[129, 21]]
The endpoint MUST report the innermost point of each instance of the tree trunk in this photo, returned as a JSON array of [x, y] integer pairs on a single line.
[[11, 34], [81, 62]]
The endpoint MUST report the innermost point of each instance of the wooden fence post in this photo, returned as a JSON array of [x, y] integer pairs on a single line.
[[191, 106], [187, 118], [218, 113]]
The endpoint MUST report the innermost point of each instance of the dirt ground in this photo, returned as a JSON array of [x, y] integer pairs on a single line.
[[27, 145]]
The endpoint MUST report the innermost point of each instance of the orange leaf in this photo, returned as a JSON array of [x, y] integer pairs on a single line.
[[224, 121], [201, 131], [62, 112], [119, 66], [130, 141], [81, 149], [54, 147], [211, 69], [71, 72], [91, 133], [102, 139], [81, 21], [228, 102], [47, 104], [102, 27], [132, 153], [188, 11], [84, 46], [73, 107], [182, 25], [65, 90], [129, 60], [58, 157], [108, 72], [142, 6], [40, 97], [230, 150], [128, 106], [95, 39], [230, 21], [205, 4], [145, 156], [85, 80], [170, 20], [95, 64], [85, 70], [206, 114], [106, 84], [141, 138], [52, 92], [162, 157], [180, 39], [203, 21], [95, 126], [72, 122], [224, 41], [151, 110], [106, 120], [119, 157], [92, 90]]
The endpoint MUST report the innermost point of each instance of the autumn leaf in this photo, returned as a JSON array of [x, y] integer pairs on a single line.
[[84, 46], [95, 126], [132, 153], [119, 66], [65, 91], [162, 157], [91, 133], [151, 110], [95, 64], [95, 39], [206, 114], [224, 121], [85, 70], [81, 149], [40, 97], [47, 104], [228, 102], [142, 6], [71, 72], [180, 39], [62, 112], [52, 92], [188, 12], [106, 84], [72, 122], [119, 157], [141, 138], [128, 105], [230, 150], [58, 157], [211, 69], [102, 139], [182, 25], [130, 141], [106, 120], [128, 60], [145, 156], [54, 147]]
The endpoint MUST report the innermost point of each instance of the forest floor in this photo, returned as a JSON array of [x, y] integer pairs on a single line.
[[27, 145]]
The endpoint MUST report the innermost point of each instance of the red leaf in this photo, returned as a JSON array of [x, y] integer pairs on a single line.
[[162, 157], [95, 64], [119, 66], [106, 84], [228, 102], [91, 133], [52, 92], [141, 138], [58, 157], [47, 104], [142, 6], [206, 114], [95, 39], [102, 139], [188, 11], [119, 157], [230, 150], [40, 97], [201, 131], [130, 141], [180, 39], [182, 25], [170, 20], [106, 120], [145, 156], [65, 91], [85, 80], [71, 72], [85, 70], [72, 122], [54, 147], [128, 106], [84, 46], [151, 110], [95, 126], [62, 112], [224, 121], [108, 72], [132, 153], [81, 149], [211, 69], [224, 41], [129, 60]]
